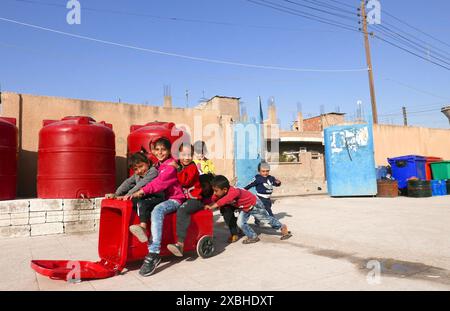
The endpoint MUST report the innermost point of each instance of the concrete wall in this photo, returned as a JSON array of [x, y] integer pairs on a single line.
[[300, 178], [393, 141], [30, 110]]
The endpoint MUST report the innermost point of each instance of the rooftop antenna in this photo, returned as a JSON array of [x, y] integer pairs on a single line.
[[299, 107], [167, 90], [187, 98], [322, 109]]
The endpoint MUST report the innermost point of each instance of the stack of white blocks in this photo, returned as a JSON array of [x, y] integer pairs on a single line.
[[35, 217]]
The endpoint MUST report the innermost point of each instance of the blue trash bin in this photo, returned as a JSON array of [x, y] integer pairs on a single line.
[[438, 188], [406, 167]]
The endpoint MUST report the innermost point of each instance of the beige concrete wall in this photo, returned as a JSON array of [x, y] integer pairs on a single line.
[[393, 141], [300, 178], [30, 110]]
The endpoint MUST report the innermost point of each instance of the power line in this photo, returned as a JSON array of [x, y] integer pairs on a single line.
[[417, 89], [303, 14], [410, 52], [415, 28], [412, 112], [343, 4], [330, 6], [429, 45], [174, 18], [414, 45], [319, 10], [195, 58]]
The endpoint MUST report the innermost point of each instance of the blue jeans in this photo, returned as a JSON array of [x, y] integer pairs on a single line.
[[156, 227], [260, 213]]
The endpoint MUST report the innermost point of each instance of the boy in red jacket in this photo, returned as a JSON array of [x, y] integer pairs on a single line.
[[249, 204], [189, 178]]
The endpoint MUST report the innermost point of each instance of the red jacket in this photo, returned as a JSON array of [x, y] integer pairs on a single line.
[[237, 197], [189, 178]]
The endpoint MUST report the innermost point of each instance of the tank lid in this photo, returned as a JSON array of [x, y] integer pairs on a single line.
[[80, 119], [155, 124]]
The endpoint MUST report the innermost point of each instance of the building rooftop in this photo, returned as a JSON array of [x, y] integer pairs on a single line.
[[326, 114]]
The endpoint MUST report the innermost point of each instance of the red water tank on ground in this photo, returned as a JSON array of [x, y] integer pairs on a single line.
[[8, 158], [117, 247], [142, 135], [76, 159]]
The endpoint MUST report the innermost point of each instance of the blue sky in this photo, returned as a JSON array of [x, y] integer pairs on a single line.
[[40, 62]]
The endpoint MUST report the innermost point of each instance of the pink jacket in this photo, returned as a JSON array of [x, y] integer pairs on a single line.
[[166, 181]]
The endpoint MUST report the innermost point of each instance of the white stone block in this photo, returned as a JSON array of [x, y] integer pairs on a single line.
[[19, 219], [5, 216], [80, 226], [54, 216], [15, 231], [71, 216], [14, 206], [44, 229], [5, 222], [37, 218], [98, 203], [43, 205], [78, 204]]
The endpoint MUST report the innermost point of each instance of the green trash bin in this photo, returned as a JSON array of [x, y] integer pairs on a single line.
[[441, 170]]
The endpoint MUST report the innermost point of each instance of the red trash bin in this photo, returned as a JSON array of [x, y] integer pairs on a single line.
[[117, 247], [429, 175]]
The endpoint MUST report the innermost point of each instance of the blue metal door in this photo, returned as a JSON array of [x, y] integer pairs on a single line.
[[350, 162], [247, 151]]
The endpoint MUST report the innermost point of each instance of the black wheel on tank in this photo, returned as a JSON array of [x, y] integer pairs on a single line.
[[205, 246]]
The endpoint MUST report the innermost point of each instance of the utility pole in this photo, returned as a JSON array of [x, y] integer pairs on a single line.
[[369, 62], [405, 117]]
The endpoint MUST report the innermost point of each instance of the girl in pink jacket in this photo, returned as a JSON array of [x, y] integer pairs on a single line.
[[166, 181]]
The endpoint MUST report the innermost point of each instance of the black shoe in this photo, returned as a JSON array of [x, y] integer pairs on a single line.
[[151, 261]]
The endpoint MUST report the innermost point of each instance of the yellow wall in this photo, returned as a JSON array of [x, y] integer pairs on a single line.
[[393, 141], [30, 110]]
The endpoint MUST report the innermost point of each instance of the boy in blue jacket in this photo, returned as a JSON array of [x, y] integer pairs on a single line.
[[264, 183]]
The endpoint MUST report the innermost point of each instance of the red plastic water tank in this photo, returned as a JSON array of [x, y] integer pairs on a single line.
[[76, 159], [8, 158], [142, 135]]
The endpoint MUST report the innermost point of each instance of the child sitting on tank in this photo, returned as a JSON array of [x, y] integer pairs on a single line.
[[144, 173]]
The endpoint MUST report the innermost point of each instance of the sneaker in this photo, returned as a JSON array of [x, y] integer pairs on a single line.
[[175, 249], [285, 234], [151, 261], [250, 240], [233, 238], [139, 233]]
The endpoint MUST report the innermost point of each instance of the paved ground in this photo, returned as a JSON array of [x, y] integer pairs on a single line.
[[334, 239]]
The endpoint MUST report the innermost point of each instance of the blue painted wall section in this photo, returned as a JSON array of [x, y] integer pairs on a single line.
[[247, 151], [349, 160]]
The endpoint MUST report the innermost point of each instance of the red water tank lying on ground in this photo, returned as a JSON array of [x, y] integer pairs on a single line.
[[142, 135], [76, 159], [117, 247], [8, 158]]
